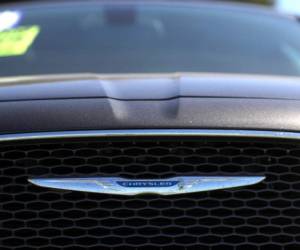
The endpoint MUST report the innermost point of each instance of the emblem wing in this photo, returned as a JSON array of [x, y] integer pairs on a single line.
[[184, 184]]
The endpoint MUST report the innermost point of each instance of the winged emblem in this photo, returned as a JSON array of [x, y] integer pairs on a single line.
[[171, 186]]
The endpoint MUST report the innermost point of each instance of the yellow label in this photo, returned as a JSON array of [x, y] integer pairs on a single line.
[[17, 41]]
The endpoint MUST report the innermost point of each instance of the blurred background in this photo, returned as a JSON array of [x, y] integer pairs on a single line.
[[286, 6]]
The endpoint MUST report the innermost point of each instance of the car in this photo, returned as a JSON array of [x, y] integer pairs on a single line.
[[149, 125]]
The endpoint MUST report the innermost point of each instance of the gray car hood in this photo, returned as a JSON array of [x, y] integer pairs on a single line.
[[149, 86]]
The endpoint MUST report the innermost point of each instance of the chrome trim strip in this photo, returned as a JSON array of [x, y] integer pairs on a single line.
[[149, 132]]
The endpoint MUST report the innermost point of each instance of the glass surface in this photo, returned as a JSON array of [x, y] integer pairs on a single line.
[[97, 38]]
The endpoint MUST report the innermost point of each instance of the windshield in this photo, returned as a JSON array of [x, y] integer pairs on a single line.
[[147, 38]]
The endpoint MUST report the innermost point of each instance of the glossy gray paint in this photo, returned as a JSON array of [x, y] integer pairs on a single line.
[[130, 87], [169, 101]]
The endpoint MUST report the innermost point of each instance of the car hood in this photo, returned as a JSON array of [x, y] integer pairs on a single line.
[[149, 86]]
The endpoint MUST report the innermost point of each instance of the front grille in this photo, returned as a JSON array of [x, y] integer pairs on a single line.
[[265, 216]]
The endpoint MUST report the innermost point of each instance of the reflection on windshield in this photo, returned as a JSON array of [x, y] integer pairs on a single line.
[[151, 38], [17, 41], [9, 19], [293, 54]]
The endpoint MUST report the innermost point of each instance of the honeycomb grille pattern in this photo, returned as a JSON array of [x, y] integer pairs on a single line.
[[265, 216]]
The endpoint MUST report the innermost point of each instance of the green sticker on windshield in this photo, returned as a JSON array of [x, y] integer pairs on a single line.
[[17, 41]]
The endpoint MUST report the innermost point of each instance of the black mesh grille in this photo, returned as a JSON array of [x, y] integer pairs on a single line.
[[263, 216]]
